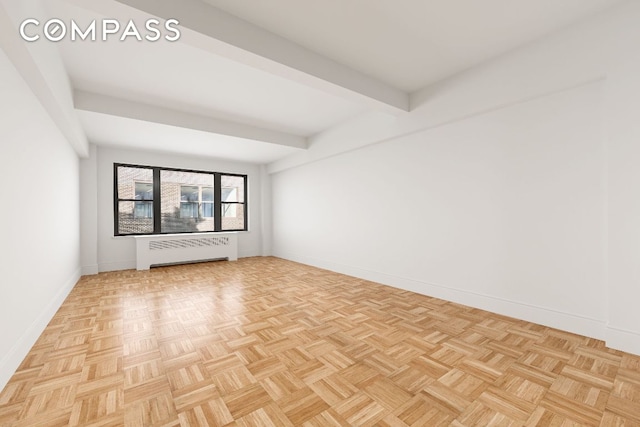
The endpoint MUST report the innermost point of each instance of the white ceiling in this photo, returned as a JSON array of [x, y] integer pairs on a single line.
[[182, 77], [410, 44], [394, 47]]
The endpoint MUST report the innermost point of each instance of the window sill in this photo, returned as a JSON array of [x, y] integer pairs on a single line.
[[204, 233]]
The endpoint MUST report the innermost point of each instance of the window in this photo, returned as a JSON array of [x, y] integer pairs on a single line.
[[143, 209], [232, 200], [153, 200], [196, 201], [133, 200], [206, 201], [189, 196]]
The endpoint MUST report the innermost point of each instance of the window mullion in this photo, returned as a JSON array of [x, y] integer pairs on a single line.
[[156, 202], [116, 203], [244, 205], [217, 202]]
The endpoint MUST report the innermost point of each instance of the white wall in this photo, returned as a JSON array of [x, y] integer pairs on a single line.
[[118, 253], [622, 111], [501, 211], [40, 216], [266, 211], [515, 186], [575, 56], [89, 212], [41, 67]]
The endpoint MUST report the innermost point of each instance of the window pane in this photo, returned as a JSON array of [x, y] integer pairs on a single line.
[[143, 210], [207, 194], [128, 223], [229, 194], [127, 179], [207, 209], [144, 191], [232, 188], [188, 210], [189, 193], [179, 195], [232, 216], [229, 211]]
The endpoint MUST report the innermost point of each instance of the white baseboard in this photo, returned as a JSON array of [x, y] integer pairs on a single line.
[[89, 270], [12, 360], [569, 322], [131, 265], [623, 340], [248, 254], [117, 266]]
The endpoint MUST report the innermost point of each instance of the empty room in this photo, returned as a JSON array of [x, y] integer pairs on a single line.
[[320, 213]]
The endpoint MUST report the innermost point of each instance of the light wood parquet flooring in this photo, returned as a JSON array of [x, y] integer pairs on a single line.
[[267, 342]]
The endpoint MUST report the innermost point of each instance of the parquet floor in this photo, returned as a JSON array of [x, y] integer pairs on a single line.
[[267, 342]]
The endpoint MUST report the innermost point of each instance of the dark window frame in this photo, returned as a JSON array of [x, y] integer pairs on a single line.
[[217, 200]]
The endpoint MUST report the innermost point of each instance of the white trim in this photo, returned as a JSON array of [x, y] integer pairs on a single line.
[[89, 270], [623, 340], [249, 254], [117, 266], [12, 360], [131, 264], [570, 322]]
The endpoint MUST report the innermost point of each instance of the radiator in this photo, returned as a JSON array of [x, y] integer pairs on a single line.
[[180, 248]]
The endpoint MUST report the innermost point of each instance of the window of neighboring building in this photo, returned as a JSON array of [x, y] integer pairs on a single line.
[[154, 200], [196, 201], [143, 207], [206, 201], [189, 196]]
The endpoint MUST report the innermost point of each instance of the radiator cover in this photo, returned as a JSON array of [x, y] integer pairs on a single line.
[[178, 248]]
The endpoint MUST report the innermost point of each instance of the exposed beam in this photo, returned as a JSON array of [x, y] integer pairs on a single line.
[[223, 34], [96, 103], [41, 68]]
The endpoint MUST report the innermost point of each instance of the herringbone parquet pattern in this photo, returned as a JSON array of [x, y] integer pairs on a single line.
[[267, 342]]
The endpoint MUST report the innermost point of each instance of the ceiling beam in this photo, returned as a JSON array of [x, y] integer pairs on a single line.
[[42, 69], [87, 101], [221, 33]]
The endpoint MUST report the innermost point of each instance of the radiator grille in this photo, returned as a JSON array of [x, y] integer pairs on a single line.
[[188, 243]]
